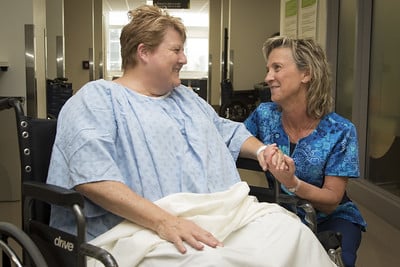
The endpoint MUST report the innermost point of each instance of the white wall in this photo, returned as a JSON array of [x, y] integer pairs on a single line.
[[78, 40], [249, 24], [14, 14], [39, 21], [54, 28]]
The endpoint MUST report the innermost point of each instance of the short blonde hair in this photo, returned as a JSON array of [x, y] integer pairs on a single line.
[[147, 26], [309, 56]]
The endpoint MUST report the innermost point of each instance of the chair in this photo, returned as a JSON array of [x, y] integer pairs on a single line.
[[331, 241], [36, 138], [32, 253]]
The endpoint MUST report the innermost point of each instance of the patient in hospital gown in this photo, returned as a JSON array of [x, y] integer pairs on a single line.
[[156, 165]]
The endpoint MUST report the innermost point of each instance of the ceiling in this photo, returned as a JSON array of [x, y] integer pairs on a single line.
[[122, 5], [125, 5]]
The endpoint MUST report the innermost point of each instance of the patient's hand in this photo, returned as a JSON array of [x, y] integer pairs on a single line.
[[272, 157], [176, 230]]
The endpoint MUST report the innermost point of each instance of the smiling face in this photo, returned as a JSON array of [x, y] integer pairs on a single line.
[[286, 82], [165, 62]]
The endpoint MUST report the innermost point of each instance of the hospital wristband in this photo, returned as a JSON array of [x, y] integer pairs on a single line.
[[261, 149]]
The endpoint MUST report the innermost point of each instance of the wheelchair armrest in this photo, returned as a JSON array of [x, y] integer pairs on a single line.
[[248, 164], [56, 195], [263, 194], [52, 194], [99, 254]]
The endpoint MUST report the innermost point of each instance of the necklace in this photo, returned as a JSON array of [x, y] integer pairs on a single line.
[[295, 134]]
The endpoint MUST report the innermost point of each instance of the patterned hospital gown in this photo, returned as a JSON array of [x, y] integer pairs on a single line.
[[156, 145], [331, 149]]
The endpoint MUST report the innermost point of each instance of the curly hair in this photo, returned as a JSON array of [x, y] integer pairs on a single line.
[[308, 56], [147, 26]]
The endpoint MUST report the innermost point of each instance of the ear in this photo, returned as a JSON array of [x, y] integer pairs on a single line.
[[142, 52], [306, 77]]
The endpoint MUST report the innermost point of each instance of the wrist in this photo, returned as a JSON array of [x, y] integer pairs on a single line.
[[260, 149], [295, 188]]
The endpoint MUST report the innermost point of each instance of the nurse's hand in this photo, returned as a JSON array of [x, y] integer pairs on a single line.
[[270, 157]]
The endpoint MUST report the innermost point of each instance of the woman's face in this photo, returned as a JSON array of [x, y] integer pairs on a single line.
[[166, 61], [285, 80]]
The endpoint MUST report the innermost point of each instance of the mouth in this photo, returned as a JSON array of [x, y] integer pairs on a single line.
[[177, 69]]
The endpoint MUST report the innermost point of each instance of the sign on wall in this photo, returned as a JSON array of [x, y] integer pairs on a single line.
[[172, 4], [300, 18]]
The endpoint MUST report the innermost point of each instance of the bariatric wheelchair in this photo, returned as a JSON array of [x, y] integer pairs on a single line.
[[36, 138]]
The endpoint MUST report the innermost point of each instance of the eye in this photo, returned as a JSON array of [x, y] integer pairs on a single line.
[[177, 50], [277, 68]]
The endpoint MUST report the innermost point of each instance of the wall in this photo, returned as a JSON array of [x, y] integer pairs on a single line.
[[55, 19], [214, 50], [39, 21], [78, 40], [249, 25], [14, 14], [87, 17]]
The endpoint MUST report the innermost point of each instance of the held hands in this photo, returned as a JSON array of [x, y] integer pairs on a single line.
[[177, 230], [280, 165], [270, 156]]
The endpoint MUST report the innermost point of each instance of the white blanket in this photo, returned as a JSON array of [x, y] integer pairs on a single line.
[[223, 214]]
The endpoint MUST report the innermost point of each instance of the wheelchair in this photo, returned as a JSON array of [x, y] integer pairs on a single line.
[[36, 138]]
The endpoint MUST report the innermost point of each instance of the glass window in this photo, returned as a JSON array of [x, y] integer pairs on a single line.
[[196, 20], [383, 143], [383, 127], [345, 60]]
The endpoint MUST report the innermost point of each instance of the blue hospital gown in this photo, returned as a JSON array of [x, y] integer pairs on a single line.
[[155, 145], [331, 149]]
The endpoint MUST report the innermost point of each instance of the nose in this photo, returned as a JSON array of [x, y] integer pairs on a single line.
[[183, 58], [268, 77]]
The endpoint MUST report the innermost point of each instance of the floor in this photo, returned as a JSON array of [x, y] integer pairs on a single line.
[[380, 244]]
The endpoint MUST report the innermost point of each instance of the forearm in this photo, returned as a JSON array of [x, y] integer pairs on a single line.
[[119, 199], [249, 148], [323, 199], [122, 201]]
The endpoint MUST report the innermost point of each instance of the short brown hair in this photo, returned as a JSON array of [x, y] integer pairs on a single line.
[[147, 26]]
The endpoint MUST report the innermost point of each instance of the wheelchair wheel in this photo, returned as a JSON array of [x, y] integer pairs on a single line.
[[10, 231], [236, 111]]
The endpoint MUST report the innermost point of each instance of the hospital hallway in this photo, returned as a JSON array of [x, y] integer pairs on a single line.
[[49, 49]]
